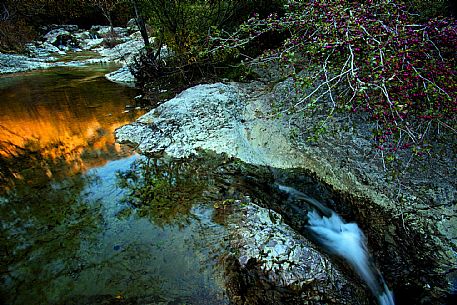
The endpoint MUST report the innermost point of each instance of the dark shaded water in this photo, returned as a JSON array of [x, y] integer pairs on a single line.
[[74, 225]]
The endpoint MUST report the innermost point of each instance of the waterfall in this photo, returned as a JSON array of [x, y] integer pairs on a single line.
[[345, 240], [348, 241]]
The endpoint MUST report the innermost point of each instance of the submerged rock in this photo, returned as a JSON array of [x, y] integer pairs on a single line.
[[275, 265]]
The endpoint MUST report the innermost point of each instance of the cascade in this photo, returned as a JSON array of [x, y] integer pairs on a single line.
[[345, 240]]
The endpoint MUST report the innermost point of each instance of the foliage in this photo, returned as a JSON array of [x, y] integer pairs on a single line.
[[106, 7], [14, 35], [367, 56], [183, 26], [183, 23], [430, 9]]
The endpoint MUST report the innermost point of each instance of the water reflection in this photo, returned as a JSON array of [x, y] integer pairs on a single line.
[[42, 229], [71, 242], [67, 235], [163, 190], [63, 118]]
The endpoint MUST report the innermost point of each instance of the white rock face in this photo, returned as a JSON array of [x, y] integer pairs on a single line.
[[122, 76], [217, 117], [10, 63], [286, 257]]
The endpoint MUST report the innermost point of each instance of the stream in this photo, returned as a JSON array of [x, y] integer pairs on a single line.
[[85, 220], [69, 230]]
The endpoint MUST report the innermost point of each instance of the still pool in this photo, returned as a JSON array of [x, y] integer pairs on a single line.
[[80, 222]]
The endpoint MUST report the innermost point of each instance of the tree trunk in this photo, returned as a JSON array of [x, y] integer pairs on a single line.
[[140, 23]]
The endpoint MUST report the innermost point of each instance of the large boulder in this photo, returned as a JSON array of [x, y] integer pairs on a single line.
[[124, 52], [61, 38], [217, 117]]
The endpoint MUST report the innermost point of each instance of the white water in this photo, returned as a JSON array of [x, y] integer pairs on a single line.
[[348, 241], [345, 240]]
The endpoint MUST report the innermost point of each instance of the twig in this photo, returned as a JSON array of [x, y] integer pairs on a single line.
[[433, 83], [320, 86]]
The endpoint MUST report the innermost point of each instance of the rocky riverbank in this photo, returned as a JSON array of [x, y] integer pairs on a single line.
[[68, 45], [411, 230]]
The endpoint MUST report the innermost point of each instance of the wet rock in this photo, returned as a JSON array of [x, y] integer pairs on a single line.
[[275, 265]]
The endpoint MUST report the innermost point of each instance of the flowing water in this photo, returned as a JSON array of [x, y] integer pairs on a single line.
[[345, 240], [86, 221], [349, 242], [68, 233]]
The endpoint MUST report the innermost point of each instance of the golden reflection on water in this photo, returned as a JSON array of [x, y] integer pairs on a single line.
[[67, 115]]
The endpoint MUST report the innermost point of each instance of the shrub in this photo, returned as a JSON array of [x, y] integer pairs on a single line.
[[371, 57], [183, 26], [430, 9], [14, 34]]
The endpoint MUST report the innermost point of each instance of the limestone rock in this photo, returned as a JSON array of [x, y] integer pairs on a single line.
[[123, 52], [10, 63], [215, 117], [122, 76], [285, 267], [132, 26]]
